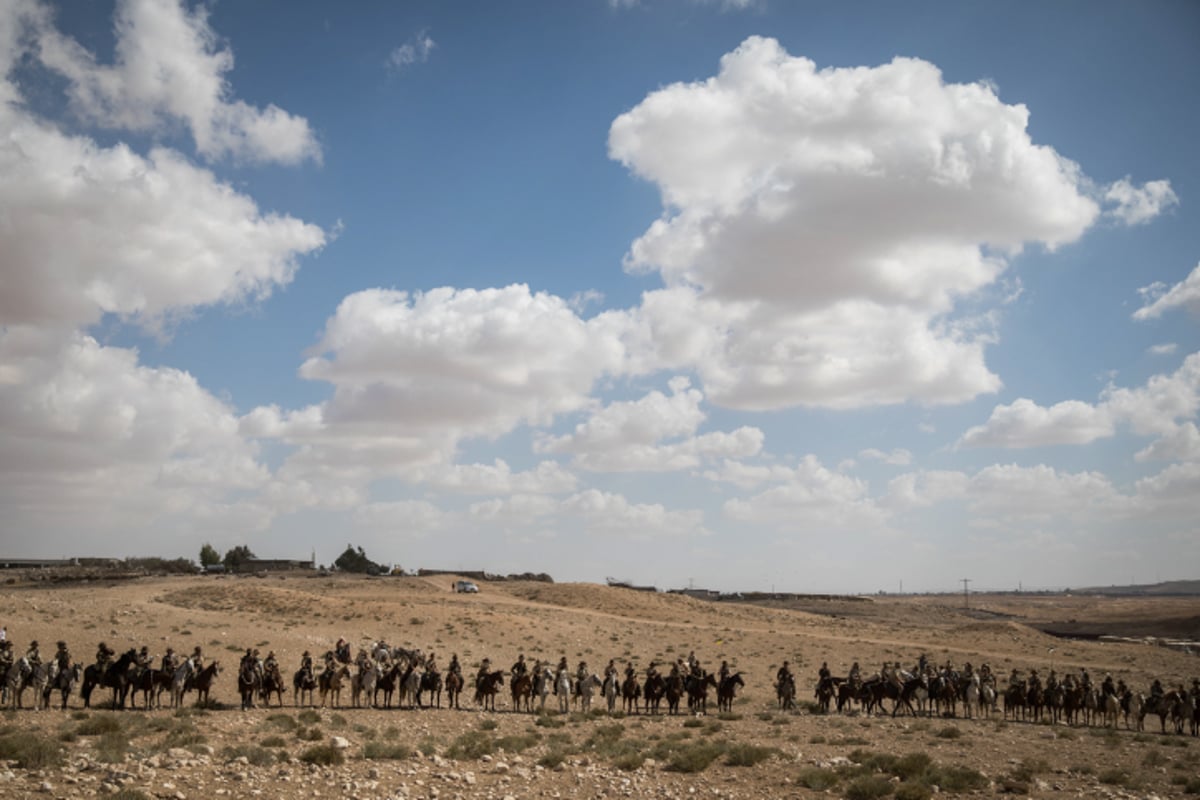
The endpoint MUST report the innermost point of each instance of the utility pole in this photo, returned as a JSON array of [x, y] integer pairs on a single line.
[[966, 594]]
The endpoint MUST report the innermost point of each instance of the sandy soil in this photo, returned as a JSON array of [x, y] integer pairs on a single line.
[[469, 753]]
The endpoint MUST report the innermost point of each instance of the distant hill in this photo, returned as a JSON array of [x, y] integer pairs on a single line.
[[1166, 588]]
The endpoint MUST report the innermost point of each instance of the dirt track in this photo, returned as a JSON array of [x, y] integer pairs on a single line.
[[217, 752]]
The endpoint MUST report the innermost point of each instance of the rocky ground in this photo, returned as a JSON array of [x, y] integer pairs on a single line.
[[754, 751]]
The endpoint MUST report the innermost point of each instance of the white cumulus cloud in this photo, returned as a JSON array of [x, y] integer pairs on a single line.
[[1135, 205], [821, 225], [1160, 299]]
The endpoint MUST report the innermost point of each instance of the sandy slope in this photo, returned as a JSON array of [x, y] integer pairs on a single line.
[[289, 614]]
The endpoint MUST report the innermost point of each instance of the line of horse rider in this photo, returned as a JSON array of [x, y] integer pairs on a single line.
[[1070, 697]]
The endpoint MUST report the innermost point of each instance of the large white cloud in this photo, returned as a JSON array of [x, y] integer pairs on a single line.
[[1164, 408], [169, 66], [654, 433], [836, 217], [811, 500], [1136, 205]]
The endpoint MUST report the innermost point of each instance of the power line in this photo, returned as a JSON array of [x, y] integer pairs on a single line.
[[966, 594]]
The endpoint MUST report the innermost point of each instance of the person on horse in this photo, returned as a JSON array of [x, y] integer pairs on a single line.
[[723, 673], [306, 663], [985, 675], [169, 664], [823, 674], [652, 670], [362, 661], [32, 655], [1107, 687], [1156, 689], [1034, 681], [677, 668], [431, 663], [922, 663], [62, 658], [271, 665], [455, 668], [560, 671], [104, 657], [629, 670], [1014, 678], [611, 670], [1085, 680], [248, 661], [693, 662], [581, 673], [854, 677], [197, 658], [1122, 689], [342, 651], [1052, 681], [484, 667], [6, 656], [519, 668], [783, 675]]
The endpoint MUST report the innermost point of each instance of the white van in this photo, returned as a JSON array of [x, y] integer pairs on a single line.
[[466, 586]]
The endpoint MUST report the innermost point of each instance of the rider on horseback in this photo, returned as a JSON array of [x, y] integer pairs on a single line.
[[724, 671], [484, 667], [62, 659], [32, 655], [197, 658], [271, 665], [431, 663], [342, 651], [581, 673], [519, 668], [784, 675], [1107, 687], [855, 677], [306, 663], [168, 661], [143, 660], [611, 670], [558, 673], [455, 668]]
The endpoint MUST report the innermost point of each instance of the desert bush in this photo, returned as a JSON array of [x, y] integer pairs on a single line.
[[325, 755], [281, 722], [489, 725], [1154, 758], [954, 779], [184, 736], [913, 791], [818, 779], [748, 755], [99, 725], [309, 716], [111, 747], [254, 754], [1192, 786], [1118, 777], [517, 743], [694, 757], [471, 745], [868, 787], [386, 751], [29, 751], [273, 741], [309, 734], [552, 759], [949, 732], [910, 766], [629, 761], [729, 716]]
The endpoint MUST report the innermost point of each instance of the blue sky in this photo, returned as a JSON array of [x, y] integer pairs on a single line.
[[819, 296]]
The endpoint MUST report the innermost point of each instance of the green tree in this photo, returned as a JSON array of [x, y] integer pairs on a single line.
[[209, 555], [237, 556], [356, 561]]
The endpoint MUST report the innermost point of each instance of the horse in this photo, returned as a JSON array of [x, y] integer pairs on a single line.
[[586, 689], [674, 691], [116, 677], [454, 686], [1014, 700], [630, 692], [971, 697], [848, 693], [431, 682], [562, 687], [151, 683], [410, 686], [543, 679], [181, 681], [303, 682], [331, 684], [486, 688], [362, 686], [727, 689], [785, 693], [824, 693], [387, 684], [249, 682], [272, 683], [611, 691], [19, 677], [987, 699], [64, 681], [653, 692], [697, 691], [522, 690], [203, 680]]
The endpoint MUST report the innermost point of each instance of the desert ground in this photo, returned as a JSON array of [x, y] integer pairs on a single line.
[[754, 751]]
